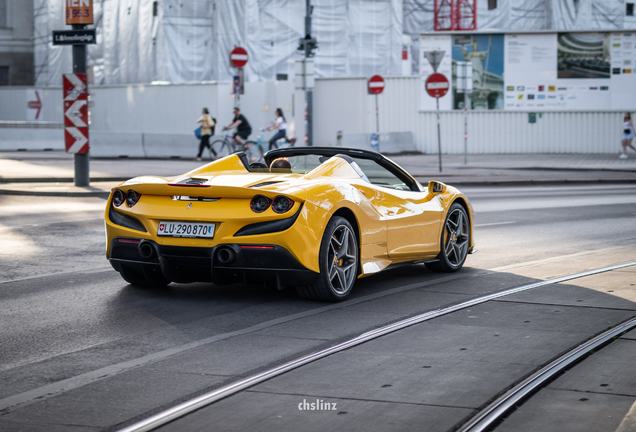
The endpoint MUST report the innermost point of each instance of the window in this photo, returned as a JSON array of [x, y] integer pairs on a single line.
[[3, 14], [629, 9], [4, 75], [492, 4]]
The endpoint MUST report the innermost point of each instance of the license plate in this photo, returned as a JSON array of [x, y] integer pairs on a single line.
[[186, 229]]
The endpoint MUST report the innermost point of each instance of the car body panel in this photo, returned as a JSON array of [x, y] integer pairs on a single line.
[[393, 226]]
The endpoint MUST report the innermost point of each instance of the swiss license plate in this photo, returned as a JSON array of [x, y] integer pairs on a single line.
[[186, 229]]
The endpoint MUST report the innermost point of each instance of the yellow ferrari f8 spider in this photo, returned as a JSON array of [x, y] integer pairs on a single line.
[[330, 216]]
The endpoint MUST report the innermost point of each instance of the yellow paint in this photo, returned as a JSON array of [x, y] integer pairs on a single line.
[[393, 226]]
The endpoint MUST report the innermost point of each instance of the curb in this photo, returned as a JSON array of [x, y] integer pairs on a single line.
[[87, 194], [59, 179], [105, 194]]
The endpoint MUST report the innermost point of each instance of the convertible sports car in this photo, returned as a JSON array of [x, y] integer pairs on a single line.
[[336, 215]]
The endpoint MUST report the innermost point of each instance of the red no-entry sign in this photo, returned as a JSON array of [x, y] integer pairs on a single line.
[[238, 57], [436, 85], [376, 84]]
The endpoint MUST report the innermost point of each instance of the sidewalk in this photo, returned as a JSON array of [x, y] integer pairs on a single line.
[[51, 173]]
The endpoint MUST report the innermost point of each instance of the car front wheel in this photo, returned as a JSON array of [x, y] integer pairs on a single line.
[[454, 241], [338, 261]]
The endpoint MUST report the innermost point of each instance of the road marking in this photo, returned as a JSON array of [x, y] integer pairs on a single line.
[[494, 223], [228, 390], [11, 227]]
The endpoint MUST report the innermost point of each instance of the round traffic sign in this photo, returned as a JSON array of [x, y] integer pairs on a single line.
[[376, 84], [238, 57], [436, 85]]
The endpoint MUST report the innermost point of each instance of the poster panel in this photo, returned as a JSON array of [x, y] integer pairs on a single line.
[[435, 43], [530, 63], [485, 55], [622, 48]]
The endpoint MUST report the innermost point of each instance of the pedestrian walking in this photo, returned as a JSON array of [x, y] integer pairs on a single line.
[[628, 135], [207, 123], [280, 124]]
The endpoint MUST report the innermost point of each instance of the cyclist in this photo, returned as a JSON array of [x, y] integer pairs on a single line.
[[243, 128], [279, 124]]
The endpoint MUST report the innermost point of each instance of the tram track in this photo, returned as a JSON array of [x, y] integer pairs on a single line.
[[556, 366]]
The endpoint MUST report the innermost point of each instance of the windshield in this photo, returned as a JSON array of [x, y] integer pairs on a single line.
[[369, 170]]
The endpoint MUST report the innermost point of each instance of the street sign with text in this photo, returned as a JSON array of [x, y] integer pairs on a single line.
[[79, 11], [74, 37]]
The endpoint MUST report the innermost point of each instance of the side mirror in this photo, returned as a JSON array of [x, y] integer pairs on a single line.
[[435, 187]]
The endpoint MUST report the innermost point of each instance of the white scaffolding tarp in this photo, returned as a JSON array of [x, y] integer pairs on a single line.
[[190, 41]]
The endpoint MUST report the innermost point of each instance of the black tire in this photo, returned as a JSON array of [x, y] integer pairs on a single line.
[[338, 260], [253, 151], [152, 278], [454, 241], [219, 150]]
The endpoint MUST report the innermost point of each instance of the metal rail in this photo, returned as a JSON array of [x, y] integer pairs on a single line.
[[228, 390], [497, 409]]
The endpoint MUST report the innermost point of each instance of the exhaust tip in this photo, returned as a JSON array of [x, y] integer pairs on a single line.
[[226, 256], [147, 251]]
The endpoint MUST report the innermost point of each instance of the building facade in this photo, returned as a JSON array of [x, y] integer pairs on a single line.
[[16, 43]]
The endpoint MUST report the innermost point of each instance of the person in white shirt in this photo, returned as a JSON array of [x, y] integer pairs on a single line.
[[279, 124], [628, 135]]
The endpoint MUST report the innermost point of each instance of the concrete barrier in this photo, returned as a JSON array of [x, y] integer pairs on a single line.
[[390, 142], [16, 136], [163, 145], [116, 144]]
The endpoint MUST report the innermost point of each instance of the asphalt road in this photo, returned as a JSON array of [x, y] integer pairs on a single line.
[[82, 350]]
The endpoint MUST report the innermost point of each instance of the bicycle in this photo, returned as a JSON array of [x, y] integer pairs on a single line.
[[223, 147], [256, 149]]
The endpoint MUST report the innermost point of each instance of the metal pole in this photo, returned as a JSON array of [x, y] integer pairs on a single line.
[[439, 138], [377, 118], [465, 131], [308, 92], [81, 161]]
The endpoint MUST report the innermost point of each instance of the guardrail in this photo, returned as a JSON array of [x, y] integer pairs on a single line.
[[38, 136]]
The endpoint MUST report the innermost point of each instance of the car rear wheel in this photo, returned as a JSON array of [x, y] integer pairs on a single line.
[[454, 241], [153, 278], [338, 261]]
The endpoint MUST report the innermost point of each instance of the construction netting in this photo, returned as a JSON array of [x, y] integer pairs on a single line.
[[178, 41]]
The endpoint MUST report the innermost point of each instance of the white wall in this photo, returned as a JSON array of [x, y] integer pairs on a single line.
[[345, 105], [339, 105]]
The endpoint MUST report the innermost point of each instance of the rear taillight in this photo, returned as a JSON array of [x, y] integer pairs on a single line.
[[118, 198], [132, 197], [260, 203], [282, 204]]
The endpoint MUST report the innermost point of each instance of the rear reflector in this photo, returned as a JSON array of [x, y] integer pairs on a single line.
[[257, 247], [128, 240]]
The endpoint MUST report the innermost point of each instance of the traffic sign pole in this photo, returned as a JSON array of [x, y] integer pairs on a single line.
[[437, 86], [376, 86], [439, 138], [81, 160]]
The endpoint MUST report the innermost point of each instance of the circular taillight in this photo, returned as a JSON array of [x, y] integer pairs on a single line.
[[118, 198], [282, 204], [259, 203], [132, 197]]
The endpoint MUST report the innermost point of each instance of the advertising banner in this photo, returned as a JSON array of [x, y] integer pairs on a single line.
[[537, 71]]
